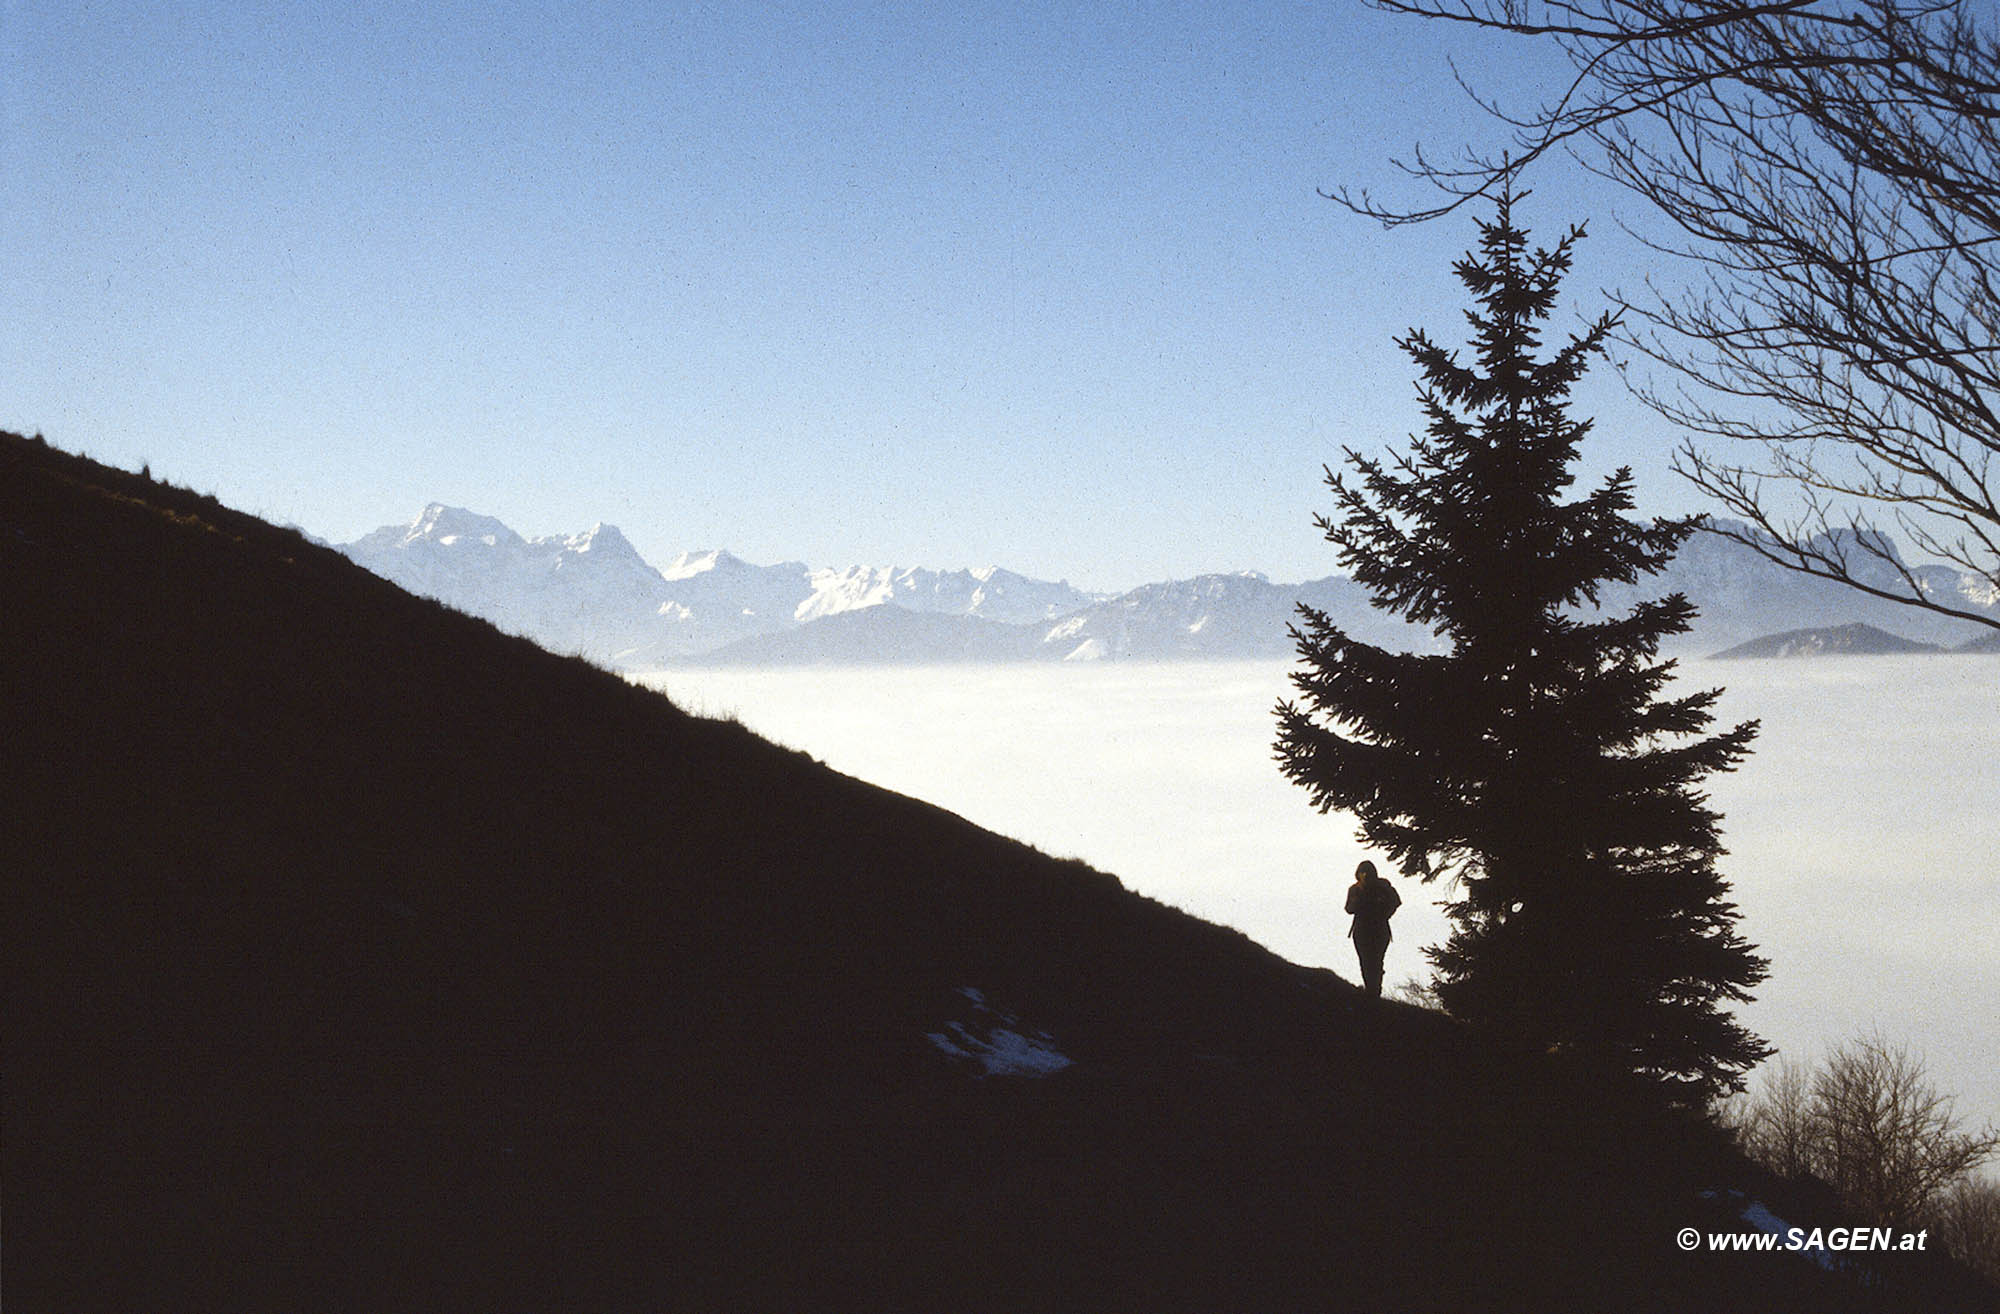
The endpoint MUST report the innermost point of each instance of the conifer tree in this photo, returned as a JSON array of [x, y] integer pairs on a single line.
[[1537, 765]]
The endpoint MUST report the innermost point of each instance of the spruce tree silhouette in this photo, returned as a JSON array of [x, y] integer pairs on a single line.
[[1536, 766]]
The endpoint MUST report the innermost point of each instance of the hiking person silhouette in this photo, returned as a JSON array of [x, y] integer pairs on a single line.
[[1373, 901]]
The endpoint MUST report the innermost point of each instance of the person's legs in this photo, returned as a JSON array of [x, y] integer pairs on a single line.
[[1371, 952]]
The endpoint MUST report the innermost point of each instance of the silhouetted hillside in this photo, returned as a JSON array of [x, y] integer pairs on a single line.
[[361, 957]]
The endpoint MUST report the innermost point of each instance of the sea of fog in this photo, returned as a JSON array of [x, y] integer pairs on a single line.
[[1864, 831]]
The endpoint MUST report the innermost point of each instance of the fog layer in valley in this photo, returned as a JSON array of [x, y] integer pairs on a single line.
[[1864, 830]]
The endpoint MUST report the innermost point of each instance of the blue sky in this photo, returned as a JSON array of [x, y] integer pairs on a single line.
[[1047, 286]]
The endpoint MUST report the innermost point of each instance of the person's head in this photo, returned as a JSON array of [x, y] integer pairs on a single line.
[[1365, 872]]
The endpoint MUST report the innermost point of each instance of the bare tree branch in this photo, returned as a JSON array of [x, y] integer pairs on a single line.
[[1832, 172]]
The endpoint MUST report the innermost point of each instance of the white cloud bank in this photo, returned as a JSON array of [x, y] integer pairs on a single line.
[[1864, 830]]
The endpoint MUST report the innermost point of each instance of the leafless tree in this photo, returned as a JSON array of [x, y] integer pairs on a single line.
[[1775, 1125], [1966, 1221], [1831, 169], [1869, 1123], [1889, 1141]]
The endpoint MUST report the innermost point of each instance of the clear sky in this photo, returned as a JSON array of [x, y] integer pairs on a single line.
[[1041, 285]]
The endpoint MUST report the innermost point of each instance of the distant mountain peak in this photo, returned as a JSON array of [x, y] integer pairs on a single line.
[[439, 523], [689, 564], [602, 540]]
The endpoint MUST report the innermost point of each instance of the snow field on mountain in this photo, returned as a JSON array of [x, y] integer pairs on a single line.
[[1864, 830]]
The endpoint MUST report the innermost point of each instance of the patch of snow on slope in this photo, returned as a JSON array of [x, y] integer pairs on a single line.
[[991, 1041], [1760, 1217]]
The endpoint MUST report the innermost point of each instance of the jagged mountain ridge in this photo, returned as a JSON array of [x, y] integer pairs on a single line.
[[988, 594], [593, 594], [620, 609], [588, 592], [1741, 597]]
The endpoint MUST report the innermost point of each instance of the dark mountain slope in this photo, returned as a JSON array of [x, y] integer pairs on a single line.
[[360, 957]]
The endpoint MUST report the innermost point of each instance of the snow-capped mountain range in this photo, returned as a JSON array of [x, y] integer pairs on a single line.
[[592, 593]]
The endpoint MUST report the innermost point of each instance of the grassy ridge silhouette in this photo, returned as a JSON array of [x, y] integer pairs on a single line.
[[359, 955]]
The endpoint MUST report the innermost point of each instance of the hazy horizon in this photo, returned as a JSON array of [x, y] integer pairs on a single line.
[[1864, 847]]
